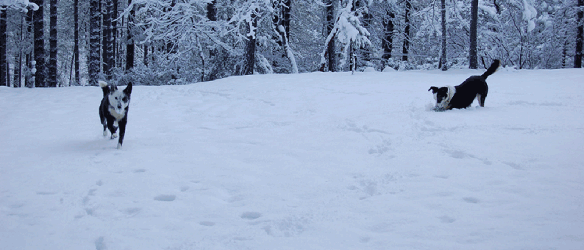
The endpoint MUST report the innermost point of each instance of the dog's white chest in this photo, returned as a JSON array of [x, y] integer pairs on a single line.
[[117, 115]]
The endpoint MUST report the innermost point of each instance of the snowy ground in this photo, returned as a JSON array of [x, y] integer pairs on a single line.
[[309, 161]]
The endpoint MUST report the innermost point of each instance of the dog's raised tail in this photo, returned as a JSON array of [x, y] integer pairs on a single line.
[[492, 69], [104, 87], [102, 83]]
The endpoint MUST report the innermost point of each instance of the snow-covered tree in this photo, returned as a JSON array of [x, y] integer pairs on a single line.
[[5, 5], [348, 31]]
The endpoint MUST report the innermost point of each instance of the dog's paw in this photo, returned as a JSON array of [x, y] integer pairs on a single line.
[[119, 145], [104, 133], [114, 135], [439, 109]]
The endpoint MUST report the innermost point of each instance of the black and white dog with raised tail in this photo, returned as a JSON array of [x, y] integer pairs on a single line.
[[113, 111], [463, 95]]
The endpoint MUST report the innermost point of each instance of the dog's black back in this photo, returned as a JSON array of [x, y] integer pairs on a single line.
[[467, 91]]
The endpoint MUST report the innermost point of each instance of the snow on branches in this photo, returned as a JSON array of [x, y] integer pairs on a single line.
[[348, 30], [23, 5]]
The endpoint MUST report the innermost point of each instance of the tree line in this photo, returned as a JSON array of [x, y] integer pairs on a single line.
[[50, 43]]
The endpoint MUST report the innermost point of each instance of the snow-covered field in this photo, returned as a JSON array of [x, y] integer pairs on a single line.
[[308, 161]]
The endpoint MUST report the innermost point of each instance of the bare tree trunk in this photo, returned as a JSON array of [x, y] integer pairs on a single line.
[[76, 46], [27, 78], [286, 17], [361, 52], [18, 69], [443, 56], [330, 23], [579, 36], [53, 45], [406, 47], [212, 11], [387, 42], [114, 36], [94, 53], [7, 74], [249, 64], [146, 55], [130, 43], [3, 40], [107, 38], [472, 55], [39, 45], [282, 25]]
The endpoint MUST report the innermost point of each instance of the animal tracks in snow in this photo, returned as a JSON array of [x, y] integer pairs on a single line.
[[250, 215], [100, 244], [165, 197], [379, 137], [457, 154], [470, 200], [446, 219], [368, 187], [207, 223]]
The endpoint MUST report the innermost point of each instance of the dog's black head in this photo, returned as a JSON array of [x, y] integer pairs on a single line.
[[118, 100], [440, 94]]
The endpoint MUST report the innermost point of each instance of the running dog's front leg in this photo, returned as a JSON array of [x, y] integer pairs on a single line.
[[111, 125], [122, 124]]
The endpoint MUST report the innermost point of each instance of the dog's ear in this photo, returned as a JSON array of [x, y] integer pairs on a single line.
[[434, 89], [128, 89]]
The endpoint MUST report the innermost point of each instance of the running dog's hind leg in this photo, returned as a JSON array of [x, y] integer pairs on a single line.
[[481, 98], [103, 122]]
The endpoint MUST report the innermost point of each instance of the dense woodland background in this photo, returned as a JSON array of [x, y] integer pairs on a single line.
[[49, 43]]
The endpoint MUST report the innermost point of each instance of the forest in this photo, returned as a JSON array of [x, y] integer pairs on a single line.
[[54, 43]]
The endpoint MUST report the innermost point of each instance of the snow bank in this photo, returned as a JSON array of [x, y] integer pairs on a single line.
[[306, 161]]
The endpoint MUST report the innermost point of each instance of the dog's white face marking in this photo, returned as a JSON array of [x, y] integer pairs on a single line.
[[445, 100], [118, 103]]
